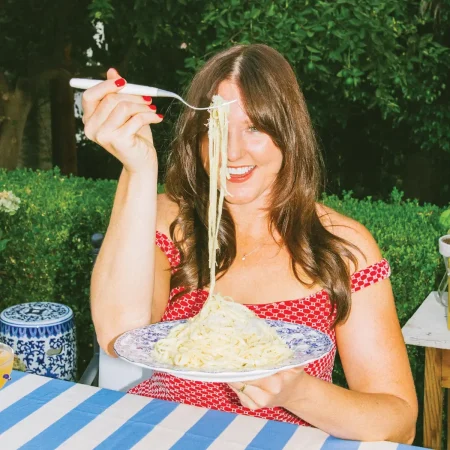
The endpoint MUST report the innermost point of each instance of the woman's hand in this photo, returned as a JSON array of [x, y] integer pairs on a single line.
[[120, 123], [276, 390]]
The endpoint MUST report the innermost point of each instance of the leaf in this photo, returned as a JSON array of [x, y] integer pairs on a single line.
[[312, 49], [255, 13]]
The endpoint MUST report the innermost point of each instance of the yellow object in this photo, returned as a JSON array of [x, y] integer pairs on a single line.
[[6, 363]]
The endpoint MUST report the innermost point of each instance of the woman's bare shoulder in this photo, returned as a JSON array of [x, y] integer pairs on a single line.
[[353, 232], [167, 211]]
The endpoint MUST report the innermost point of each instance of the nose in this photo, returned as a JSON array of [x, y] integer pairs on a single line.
[[235, 146]]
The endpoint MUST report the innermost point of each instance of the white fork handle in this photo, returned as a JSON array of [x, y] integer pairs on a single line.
[[135, 89]]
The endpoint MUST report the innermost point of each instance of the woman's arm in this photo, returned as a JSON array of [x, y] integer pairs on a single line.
[[122, 286], [123, 277], [381, 402]]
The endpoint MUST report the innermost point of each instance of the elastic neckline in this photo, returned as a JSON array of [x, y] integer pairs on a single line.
[[301, 299]]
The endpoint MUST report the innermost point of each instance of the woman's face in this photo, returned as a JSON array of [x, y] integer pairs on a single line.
[[253, 159]]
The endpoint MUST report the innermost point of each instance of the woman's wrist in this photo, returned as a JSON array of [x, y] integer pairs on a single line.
[[146, 176], [301, 394]]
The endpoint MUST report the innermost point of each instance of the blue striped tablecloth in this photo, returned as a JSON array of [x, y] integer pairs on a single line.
[[42, 413]]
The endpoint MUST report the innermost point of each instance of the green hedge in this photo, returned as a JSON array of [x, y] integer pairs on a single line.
[[48, 256]]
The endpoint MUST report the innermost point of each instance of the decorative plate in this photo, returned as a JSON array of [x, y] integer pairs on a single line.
[[308, 345]]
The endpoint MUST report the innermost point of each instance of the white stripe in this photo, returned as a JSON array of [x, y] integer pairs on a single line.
[[306, 437], [377, 446], [105, 424], [171, 429], [20, 389], [49, 413], [239, 433]]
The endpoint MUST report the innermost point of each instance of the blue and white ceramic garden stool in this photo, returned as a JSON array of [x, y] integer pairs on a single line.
[[42, 335]]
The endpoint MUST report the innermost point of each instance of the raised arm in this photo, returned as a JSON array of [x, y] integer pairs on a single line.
[[123, 278]]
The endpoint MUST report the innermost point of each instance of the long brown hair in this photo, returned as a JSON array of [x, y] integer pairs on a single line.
[[275, 105]]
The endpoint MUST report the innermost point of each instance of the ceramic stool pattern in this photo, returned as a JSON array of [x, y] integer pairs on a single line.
[[42, 335]]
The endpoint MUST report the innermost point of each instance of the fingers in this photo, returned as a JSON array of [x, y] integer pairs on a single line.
[[249, 396], [112, 74], [104, 107], [125, 120], [136, 124], [270, 391], [272, 384], [112, 114], [247, 402], [94, 95]]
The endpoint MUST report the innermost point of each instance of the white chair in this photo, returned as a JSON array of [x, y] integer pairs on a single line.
[[119, 375], [112, 373]]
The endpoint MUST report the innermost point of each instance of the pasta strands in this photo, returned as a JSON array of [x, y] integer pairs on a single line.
[[224, 335], [218, 173]]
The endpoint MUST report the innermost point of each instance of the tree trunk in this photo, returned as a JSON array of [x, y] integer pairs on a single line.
[[16, 107], [63, 124], [37, 138]]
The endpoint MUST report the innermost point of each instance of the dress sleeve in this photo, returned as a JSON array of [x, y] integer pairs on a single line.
[[169, 249], [370, 275]]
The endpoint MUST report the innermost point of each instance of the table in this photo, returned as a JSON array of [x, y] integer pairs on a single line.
[[42, 413], [428, 328]]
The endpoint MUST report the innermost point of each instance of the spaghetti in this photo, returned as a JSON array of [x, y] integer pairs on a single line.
[[224, 334]]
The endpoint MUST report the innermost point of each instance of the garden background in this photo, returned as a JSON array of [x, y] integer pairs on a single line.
[[375, 75]]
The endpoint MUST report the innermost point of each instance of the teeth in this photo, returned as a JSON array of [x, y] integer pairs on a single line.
[[239, 170]]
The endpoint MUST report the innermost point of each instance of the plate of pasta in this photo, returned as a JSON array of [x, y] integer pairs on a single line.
[[225, 342]]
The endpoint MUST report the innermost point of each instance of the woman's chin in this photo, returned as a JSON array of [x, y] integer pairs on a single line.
[[240, 197]]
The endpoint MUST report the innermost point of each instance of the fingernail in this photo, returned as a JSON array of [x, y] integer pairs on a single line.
[[147, 98], [152, 107], [160, 116], [120, 82]]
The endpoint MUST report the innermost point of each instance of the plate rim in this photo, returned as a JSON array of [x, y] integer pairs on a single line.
[[187, 373]]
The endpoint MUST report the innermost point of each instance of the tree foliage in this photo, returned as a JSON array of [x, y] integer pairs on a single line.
[[369, 54], [374, 72]]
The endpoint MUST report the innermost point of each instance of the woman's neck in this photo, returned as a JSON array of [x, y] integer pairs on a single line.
[[251, 223]]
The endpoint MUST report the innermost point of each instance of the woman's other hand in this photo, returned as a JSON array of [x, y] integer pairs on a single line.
[[120, 123], [279, 389]]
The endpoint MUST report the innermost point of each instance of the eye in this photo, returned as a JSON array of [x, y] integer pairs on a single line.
[[253, 129]]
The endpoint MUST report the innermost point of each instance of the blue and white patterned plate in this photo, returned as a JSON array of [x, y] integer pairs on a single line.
[[308, 345]]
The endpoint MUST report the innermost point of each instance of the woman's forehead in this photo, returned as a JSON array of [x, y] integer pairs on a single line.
[[229, 91]]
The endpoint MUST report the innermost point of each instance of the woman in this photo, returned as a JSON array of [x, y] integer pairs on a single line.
[[276, 243]]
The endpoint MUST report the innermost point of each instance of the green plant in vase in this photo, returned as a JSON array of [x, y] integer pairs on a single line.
[[444, 220]]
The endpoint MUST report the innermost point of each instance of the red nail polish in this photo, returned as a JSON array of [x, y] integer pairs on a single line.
[[120, 82], [147, 98], [160, 116], [152, 107]]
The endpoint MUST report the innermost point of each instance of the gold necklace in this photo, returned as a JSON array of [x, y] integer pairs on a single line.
[[253, 251]]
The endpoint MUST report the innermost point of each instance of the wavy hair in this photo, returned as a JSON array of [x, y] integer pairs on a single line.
[[275, 104]]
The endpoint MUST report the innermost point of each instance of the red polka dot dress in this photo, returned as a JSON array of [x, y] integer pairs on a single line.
[[312, 311]]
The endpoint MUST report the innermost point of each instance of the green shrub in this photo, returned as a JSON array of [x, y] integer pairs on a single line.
[[48, 256], [49, 252]]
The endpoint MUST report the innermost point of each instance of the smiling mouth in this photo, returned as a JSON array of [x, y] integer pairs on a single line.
[[240, 174], [240, 171]]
